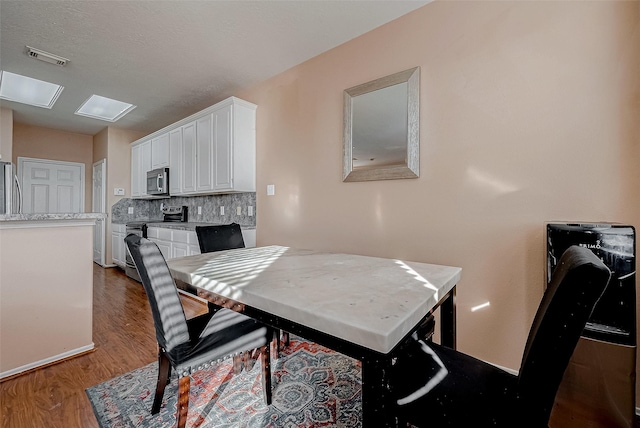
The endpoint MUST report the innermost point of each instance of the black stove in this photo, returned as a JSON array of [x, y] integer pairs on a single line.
[[175, 214]]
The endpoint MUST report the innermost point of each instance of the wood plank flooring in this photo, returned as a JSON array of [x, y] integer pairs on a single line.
[[124, 339]]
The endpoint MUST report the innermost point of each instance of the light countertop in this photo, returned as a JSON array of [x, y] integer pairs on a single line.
[[188, 225], [52, 216]]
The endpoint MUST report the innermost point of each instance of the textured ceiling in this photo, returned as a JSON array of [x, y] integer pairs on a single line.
[[169, 58]]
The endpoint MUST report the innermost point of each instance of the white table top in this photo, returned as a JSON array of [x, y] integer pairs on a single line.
[[373, 302]]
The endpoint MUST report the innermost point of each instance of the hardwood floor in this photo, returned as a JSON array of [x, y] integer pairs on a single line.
[[124, 339]]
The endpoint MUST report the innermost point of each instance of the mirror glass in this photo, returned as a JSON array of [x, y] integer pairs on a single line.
[[381, 129]]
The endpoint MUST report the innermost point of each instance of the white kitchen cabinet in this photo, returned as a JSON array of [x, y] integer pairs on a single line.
[[175, 161], [212, 151], [172, 242], [118, 250], [222, 157], [179, 243], [165, 248], [136, 165], [188, 161], [204, 154], [179, 250], [140, 164], [160, 151], [145, 161]]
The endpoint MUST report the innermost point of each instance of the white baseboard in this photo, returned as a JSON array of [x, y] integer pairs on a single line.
[[46, 361]]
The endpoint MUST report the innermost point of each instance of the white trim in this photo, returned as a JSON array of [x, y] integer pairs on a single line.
[[47, 361]]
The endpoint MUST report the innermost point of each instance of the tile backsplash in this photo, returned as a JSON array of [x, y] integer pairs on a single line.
[[146, 210]]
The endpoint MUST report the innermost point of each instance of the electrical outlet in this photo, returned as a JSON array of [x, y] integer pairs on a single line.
[[250, 211], [238, 210], [221, 210], [130, 211], [199, 210], [118, 191], [271, 189]]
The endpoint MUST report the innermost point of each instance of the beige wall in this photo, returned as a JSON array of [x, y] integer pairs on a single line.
[[529, 113], [46, 294], [45, 143], [113, 144], [6, 134]]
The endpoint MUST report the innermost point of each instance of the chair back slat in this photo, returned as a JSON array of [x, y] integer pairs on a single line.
[[577, 283], [168, 314]]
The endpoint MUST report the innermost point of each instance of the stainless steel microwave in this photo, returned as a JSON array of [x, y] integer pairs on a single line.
[[158, 182]]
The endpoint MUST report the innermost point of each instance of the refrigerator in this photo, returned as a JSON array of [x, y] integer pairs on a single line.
[[10, 194], [598, 388]]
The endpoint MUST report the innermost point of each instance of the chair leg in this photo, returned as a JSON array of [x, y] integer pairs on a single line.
[[281, 337], [183, 400], [265, 357], [164, 370], [237, 364]]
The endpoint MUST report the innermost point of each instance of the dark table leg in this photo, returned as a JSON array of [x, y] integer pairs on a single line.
[[377, 404], [448, 320]]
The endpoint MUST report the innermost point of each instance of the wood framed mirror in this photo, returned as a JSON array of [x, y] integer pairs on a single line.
[[382, 129]]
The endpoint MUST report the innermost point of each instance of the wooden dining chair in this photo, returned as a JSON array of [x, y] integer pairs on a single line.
[[191, 345], [440, 387]]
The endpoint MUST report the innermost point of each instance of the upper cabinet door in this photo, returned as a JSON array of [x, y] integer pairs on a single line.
[[222, 155], [136, 165], [188, 173], [160, 151], [140, 164], [146, 166], [204, 154], [175, 162]]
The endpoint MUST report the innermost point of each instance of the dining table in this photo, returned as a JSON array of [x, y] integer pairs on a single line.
[[361, 306]]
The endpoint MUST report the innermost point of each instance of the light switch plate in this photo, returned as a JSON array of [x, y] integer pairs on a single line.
[[271, 189], [221, 210], [238, 210], [250, 211], [118, 191], [130, 211]]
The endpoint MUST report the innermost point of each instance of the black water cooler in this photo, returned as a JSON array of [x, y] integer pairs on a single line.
[[598, 388]]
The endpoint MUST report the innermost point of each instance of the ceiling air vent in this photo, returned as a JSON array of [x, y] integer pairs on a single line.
[[46, 56]]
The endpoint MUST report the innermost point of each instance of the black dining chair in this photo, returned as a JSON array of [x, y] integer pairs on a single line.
[[191, 345], [219, 237], [439, 387], [228, 237]]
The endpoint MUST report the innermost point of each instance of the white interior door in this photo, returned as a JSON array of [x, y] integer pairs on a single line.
[[99, 202], [51, 186]]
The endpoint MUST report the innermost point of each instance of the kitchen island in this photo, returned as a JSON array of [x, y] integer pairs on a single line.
[[46, 289]]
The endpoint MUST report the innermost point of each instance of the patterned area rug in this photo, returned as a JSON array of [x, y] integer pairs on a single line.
[[312, 387]]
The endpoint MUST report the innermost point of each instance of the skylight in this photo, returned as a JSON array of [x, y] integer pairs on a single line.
[[104, 108], [26, 90]]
